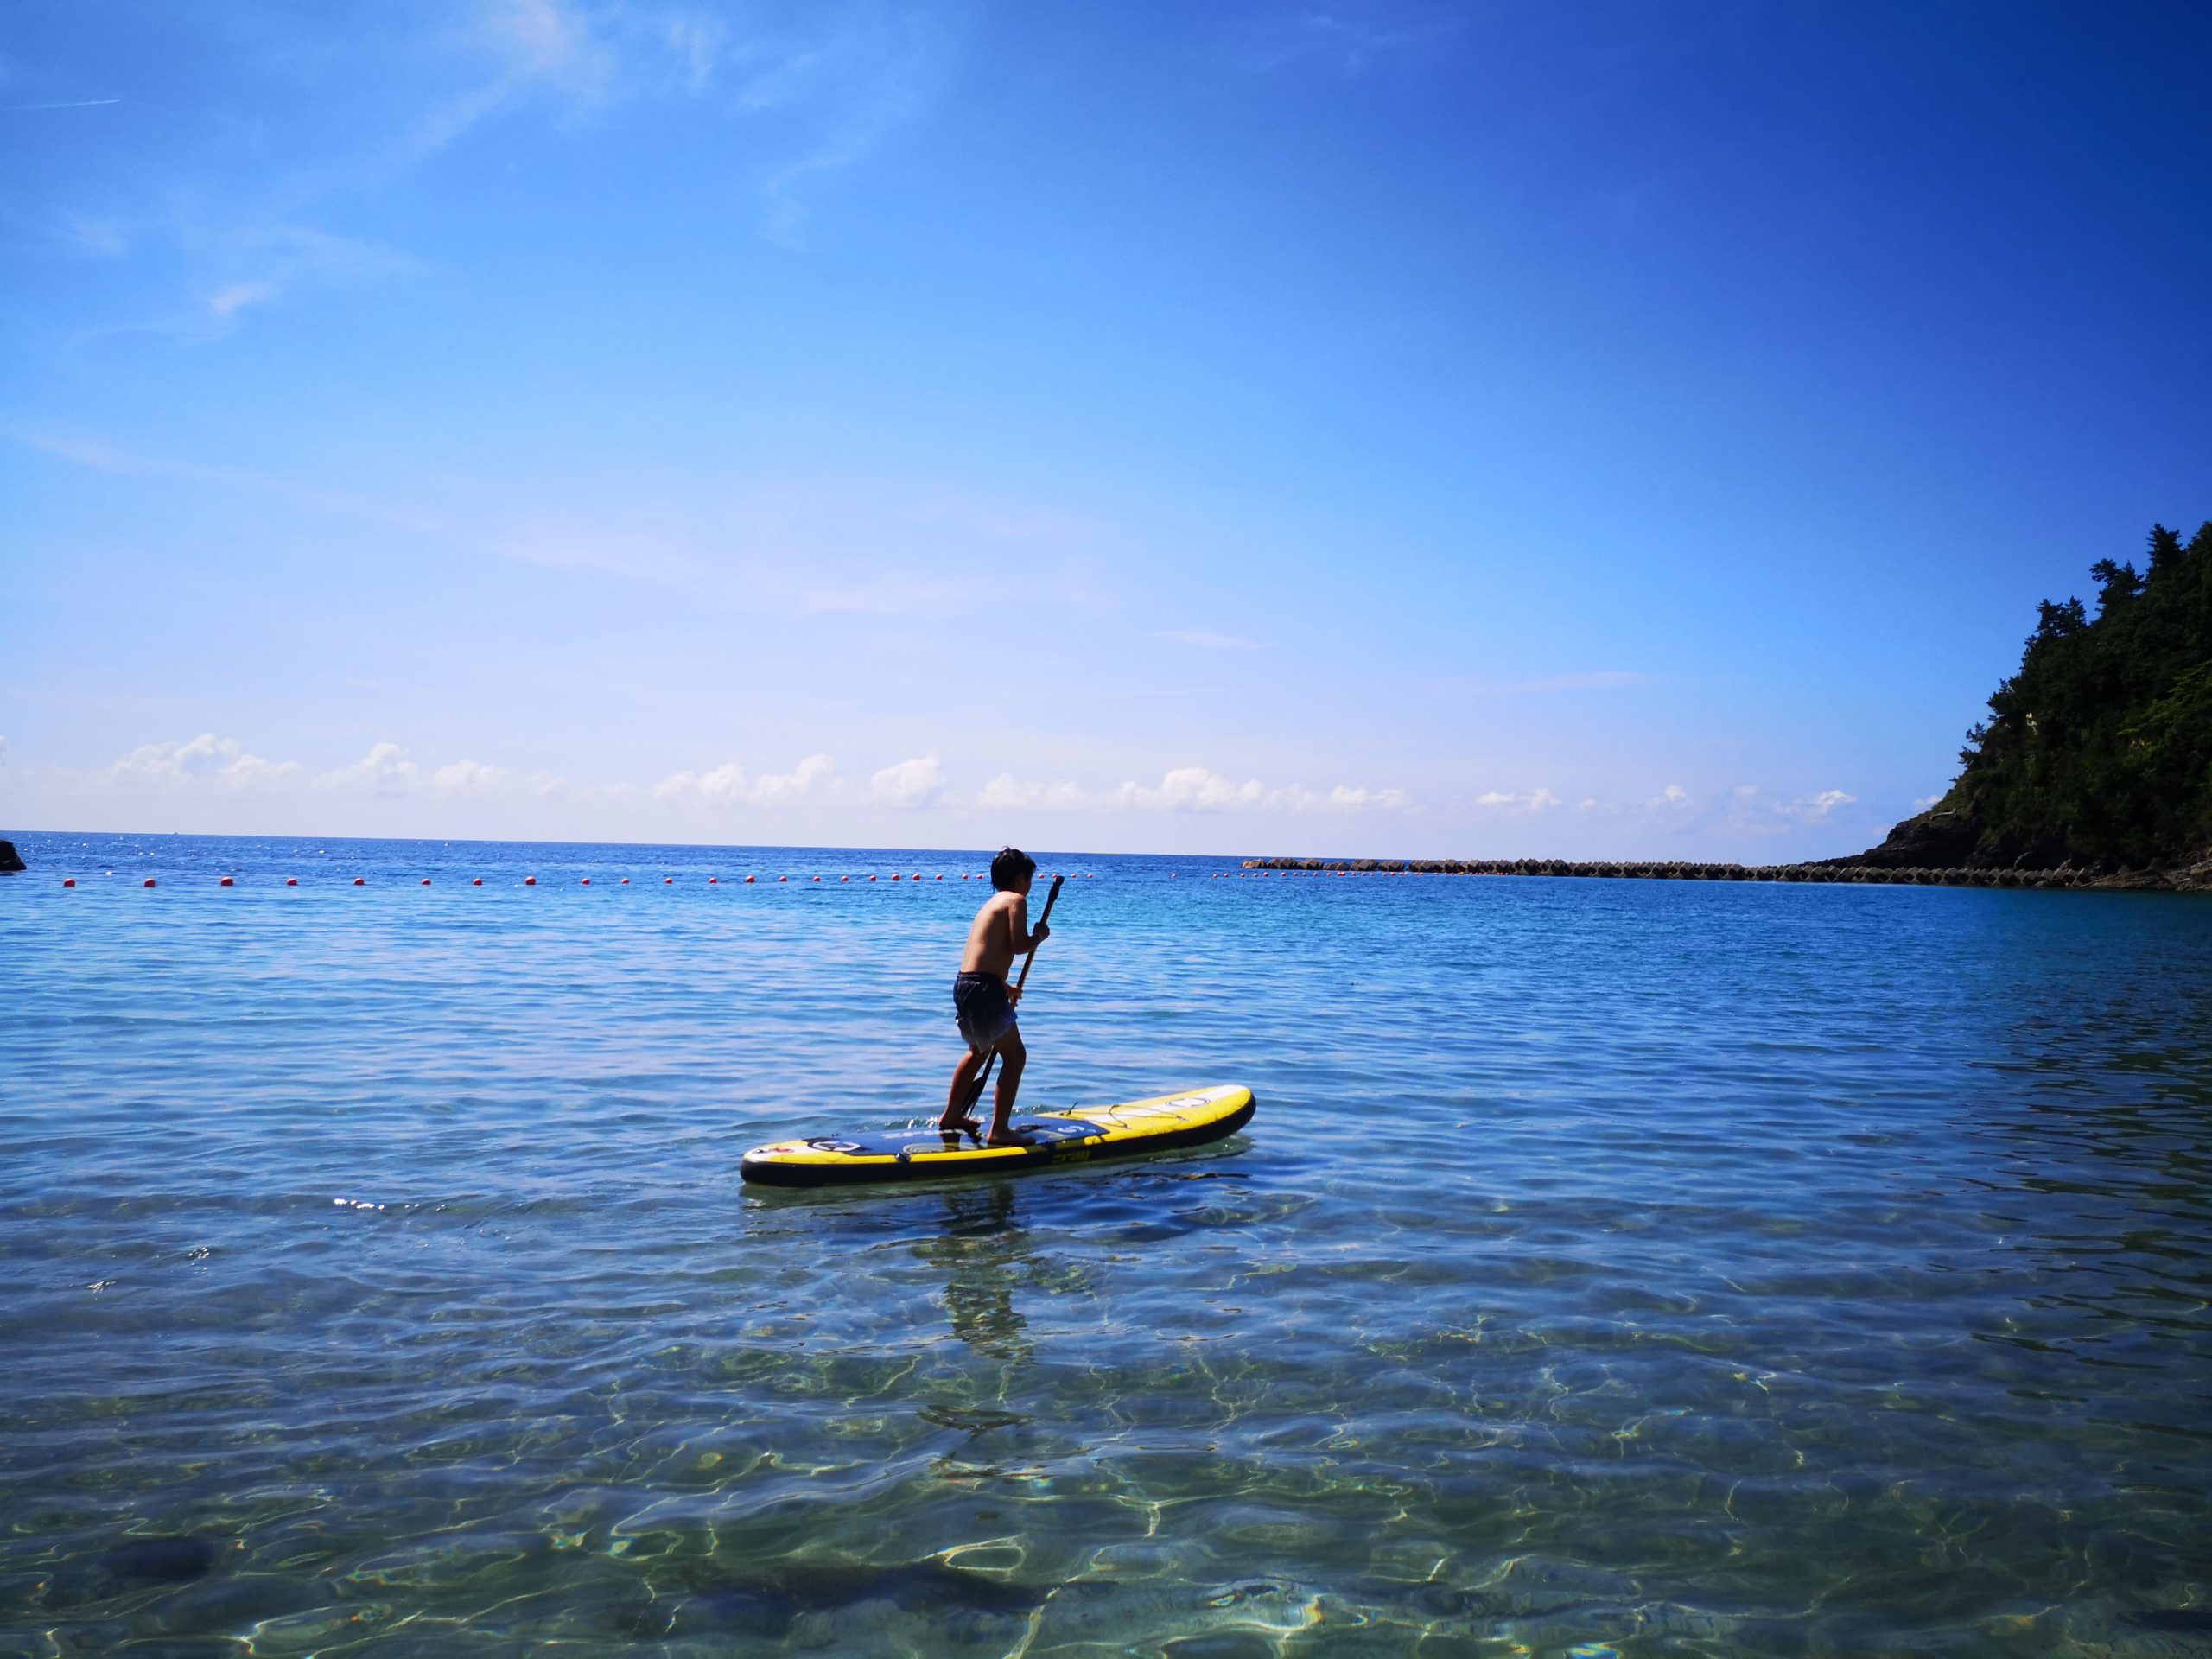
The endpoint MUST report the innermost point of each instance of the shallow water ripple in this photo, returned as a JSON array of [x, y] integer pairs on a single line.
[[1610, 1268]]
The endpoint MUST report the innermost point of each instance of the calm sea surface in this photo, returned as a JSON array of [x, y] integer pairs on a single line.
[[1612, 1267]]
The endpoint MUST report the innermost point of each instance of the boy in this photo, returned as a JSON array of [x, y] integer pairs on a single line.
[[983, 1003]]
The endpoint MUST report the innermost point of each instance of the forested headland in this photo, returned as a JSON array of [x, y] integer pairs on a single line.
[[2097, 752], [2093, 770]]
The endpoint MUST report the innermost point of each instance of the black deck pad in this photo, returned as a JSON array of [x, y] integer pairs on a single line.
[[902, 1143]]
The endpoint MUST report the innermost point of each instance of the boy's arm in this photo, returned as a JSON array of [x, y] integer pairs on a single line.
[[1017, 916]]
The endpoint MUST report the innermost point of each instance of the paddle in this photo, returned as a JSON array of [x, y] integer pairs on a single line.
[[983, 1077]]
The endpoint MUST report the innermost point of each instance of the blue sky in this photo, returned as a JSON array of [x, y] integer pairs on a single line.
[[1636, 429]]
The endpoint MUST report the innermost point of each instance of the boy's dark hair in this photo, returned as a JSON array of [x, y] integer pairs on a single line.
[[1009, 867]]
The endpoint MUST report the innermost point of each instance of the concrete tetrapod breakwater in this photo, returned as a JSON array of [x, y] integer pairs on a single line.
[[2194, 879]]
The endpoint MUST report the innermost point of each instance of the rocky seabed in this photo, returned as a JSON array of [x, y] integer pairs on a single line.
[[2197, 878]]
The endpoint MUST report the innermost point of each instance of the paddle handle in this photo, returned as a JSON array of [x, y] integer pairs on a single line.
[[983, 1077]]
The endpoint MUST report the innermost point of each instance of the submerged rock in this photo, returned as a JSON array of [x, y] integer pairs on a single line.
[[160, 1561]]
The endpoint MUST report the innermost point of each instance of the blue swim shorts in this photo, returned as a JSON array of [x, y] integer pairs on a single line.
[[983, 1008]]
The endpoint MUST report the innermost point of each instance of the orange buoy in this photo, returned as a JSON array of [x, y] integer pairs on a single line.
[[587, 881], [783, 878], [360, 881], [940, 878], [426, 881], [668, 880], [478, 882], [530, 881], [150, 880], [817, 878], [844, 878], [714, 881], [68, 881], [894, 878], [291, 881], [748, 881], [625, 880], [227, 882]]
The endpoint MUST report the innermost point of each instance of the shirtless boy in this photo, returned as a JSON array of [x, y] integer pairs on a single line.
[[983, 1001]]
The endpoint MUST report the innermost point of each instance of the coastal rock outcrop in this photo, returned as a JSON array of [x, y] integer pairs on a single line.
[[10, 860], [1941, 838]]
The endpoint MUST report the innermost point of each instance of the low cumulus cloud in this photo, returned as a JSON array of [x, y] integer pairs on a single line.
[[1185, 789], [729, 784], [1535, 800], [1752, 808], [205, 759], [1006, 793], [388, 769], [210, 764], [918, 782]]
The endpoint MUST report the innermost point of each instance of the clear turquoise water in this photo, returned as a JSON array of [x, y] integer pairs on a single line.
[[1630, 1267]]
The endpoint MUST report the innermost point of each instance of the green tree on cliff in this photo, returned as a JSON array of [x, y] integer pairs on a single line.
[[2100, 748]]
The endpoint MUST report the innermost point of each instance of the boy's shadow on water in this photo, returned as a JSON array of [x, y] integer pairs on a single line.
[[983, 1254], [1043, 1235]]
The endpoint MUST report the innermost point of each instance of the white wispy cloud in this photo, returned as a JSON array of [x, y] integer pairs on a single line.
[[893, 593], [1592, 679], [819, 91], [102, 237], [1600, 679], [1348, 38], [228, 302], [1205, 641], [103, 457]]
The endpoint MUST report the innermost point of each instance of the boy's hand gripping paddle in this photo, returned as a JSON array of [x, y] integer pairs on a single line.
[[983, 1077]]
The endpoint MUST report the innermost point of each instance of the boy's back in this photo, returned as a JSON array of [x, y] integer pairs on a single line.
[[1003, 920]]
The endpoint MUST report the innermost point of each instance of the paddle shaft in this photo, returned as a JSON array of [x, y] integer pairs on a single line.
[[983, 1077]]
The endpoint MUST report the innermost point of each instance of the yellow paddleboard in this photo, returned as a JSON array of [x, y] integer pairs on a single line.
[[1082, 1134]]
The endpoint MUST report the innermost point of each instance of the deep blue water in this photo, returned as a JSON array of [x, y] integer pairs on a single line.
[[1631, 1267]]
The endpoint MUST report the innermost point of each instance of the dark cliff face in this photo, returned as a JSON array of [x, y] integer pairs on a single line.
[[2097, 752], [1942, 839]]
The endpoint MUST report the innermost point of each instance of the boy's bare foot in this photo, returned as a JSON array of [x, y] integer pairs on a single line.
[[960, 1125], [1008, 1138]]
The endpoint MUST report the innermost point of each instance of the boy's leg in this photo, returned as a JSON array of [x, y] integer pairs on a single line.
[[964, 1085], [1011, 1057]]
